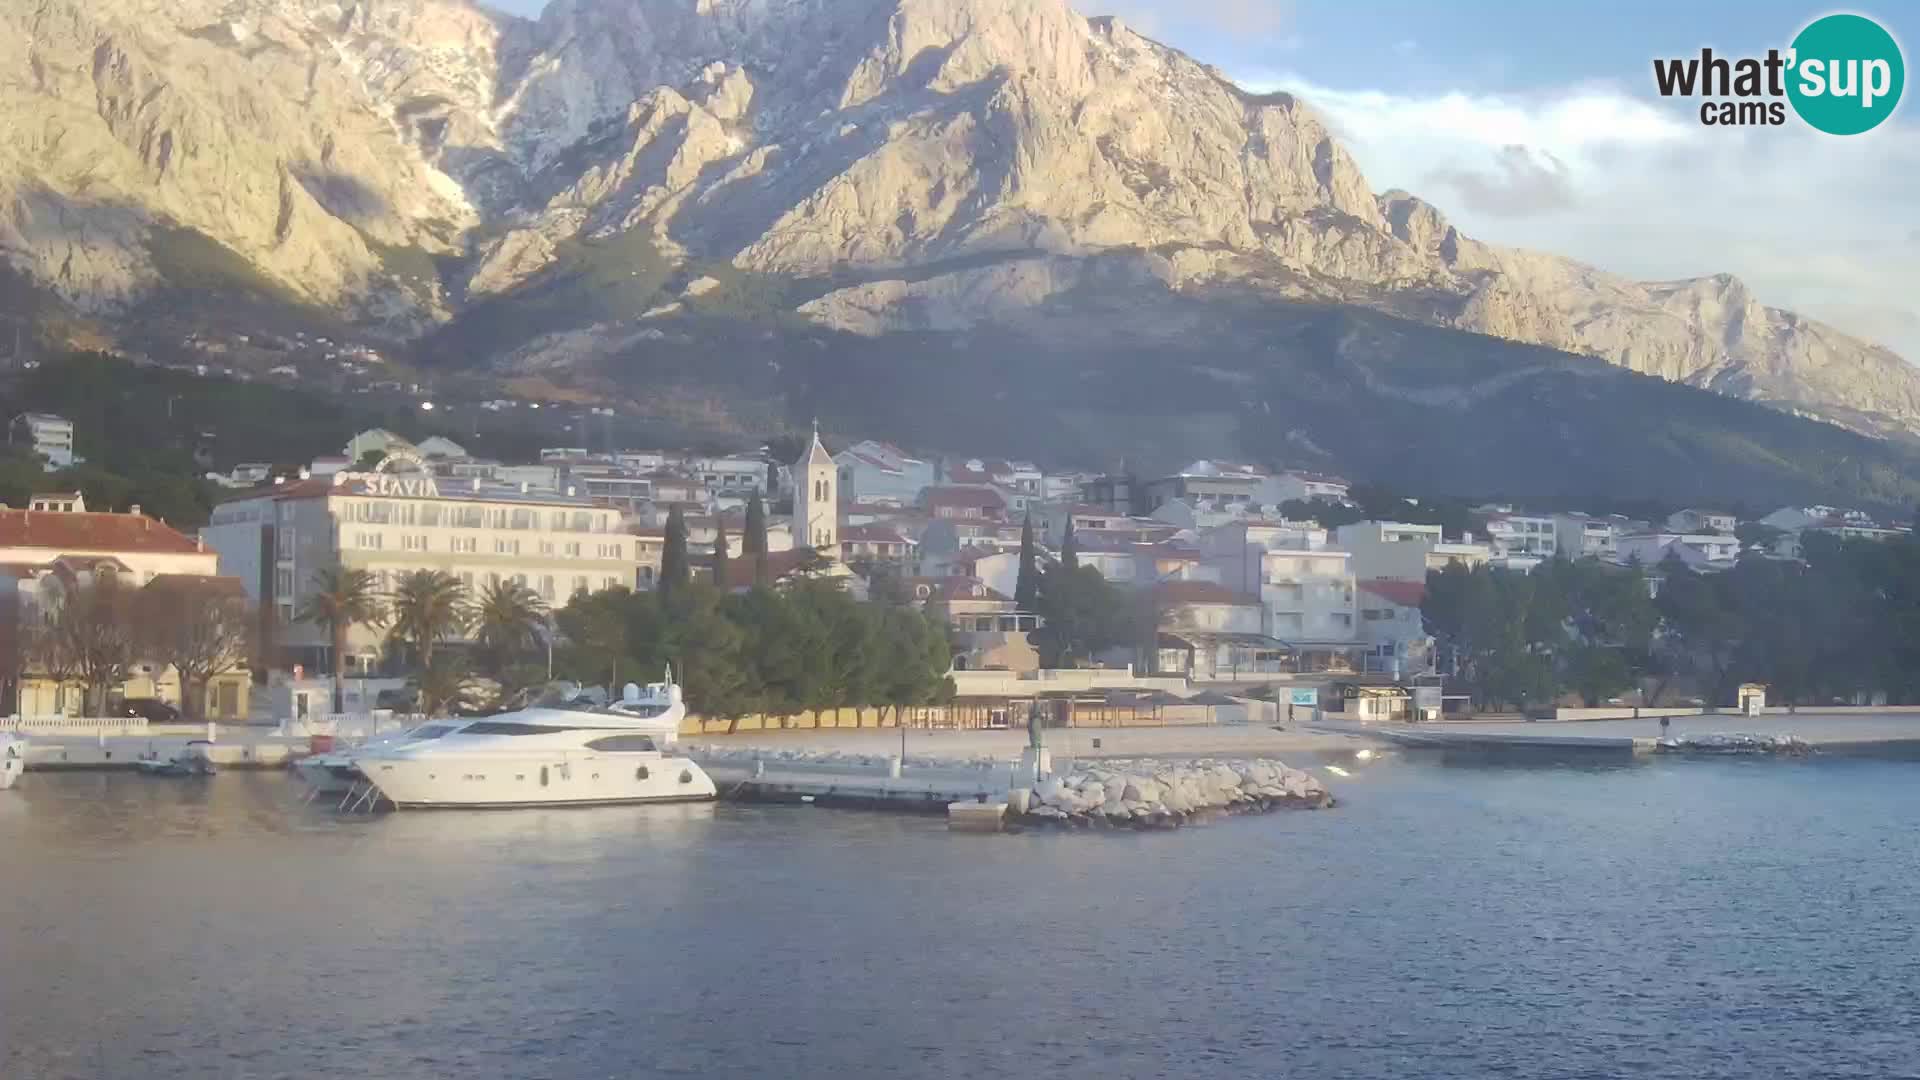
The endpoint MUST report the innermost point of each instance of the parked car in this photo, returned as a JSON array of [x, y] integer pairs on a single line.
[[153, 710]]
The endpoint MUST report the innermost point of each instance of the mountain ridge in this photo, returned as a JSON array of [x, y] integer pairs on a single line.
[[339, 149]]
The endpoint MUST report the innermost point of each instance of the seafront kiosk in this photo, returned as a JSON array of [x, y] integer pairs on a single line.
[[1752, 698]]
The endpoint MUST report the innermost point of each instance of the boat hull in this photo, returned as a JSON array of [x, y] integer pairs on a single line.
[[499, 781]]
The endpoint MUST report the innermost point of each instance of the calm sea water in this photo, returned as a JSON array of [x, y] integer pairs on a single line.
[[1705, 919]]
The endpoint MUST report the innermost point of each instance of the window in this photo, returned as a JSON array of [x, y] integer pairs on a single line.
[[546, 588], [520, 580], [573, 550], [283, 582], [466, 544], [580, 583], [546, 547], [506, 547], [413, 543], [609, 551]]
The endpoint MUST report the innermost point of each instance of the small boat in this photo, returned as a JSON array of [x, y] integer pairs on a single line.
[[192, 761], [561, 749], [332, 772], [13, 759]]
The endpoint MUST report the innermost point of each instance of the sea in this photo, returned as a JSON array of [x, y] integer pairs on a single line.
[[1451, 917]]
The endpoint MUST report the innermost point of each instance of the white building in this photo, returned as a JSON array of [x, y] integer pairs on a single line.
[[1587, 536], [1208, 631], [1516, 534], [1305, 486], [1704, 551], [1392, 628], [1695, 520], [1402, 551], [399, 519], [50, 436]]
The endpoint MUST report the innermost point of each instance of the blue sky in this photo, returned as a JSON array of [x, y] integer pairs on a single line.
[[1535, 124]]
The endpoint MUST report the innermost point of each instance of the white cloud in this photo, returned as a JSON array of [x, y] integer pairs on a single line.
[[1821, 225]]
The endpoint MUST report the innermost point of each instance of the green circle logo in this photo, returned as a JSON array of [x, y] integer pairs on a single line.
[[1846, 74]]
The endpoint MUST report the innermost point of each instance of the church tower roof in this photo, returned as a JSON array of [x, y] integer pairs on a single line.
[[816, 453]]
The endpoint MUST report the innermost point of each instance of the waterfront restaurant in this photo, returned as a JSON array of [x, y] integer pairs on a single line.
[[398, 519]]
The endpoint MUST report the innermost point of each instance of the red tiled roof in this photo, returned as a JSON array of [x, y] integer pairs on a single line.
[[91, 532], [1199, 592], [1403, 593]]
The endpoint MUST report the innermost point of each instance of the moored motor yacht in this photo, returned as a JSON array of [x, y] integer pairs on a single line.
[[560, 749]]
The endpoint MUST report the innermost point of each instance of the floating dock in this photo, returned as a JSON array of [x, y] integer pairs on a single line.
[[928, 790]]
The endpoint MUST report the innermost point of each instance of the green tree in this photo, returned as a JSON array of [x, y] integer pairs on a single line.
[[1069, 548], [446, 687], [1026, 589], [339, 600], [720, 576], [508, 620], [596, 631], [1082, 615], [426, 608], [753, 545], [675, 571]]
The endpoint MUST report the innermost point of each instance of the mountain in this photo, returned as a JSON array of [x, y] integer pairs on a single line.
[[563, 195]]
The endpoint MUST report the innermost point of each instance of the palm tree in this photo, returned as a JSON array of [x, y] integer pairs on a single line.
[[341, 599], [427, 607], [507, 620]]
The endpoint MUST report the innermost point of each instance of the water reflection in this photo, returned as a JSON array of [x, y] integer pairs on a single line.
[[1696, 919]]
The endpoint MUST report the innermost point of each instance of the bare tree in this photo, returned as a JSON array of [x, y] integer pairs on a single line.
[[95, 625], [44, 650], [199, 626]]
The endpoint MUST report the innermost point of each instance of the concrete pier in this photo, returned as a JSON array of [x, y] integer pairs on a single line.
[[232, 748], [921, 790], [1892, 732]]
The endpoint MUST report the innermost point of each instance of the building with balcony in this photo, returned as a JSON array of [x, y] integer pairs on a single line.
[[45, 434], [401, 518]]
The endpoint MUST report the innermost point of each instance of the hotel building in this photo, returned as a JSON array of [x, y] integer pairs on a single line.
[[398, 520]]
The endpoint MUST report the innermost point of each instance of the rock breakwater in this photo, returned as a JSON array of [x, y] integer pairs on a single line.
[[1162, 794]]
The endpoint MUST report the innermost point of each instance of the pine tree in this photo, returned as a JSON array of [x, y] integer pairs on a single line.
[[1027, 589], [1069, 551], [720, 555], [754, 544], [675, 573]]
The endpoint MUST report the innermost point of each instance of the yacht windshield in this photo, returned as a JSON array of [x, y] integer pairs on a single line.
[[565, 695]]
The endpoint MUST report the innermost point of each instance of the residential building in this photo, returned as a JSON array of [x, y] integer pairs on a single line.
[[1397, 642], [876, 543], [1209, 483], [1695, 520], [1308, 596], [48, 551], [875, 470], [1114, 493], [375, 440], [987, 630], [1305, 486], [1208, 631], [400, 518], [1516, 534], [729, 476], [1588, 536], [1235, 550], [1702, 551], [1403, 551], [950, 502], [48, 435], [816, 500]]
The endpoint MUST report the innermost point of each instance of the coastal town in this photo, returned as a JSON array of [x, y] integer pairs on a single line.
[[1106, 598]]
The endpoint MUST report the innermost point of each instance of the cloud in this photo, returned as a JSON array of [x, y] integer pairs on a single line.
[[1521, 182], [1816, 224]]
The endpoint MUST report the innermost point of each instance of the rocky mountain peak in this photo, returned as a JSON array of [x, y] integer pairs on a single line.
[[970, 161]]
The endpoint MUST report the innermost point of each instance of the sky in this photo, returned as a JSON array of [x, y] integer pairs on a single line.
[[1535, 124]]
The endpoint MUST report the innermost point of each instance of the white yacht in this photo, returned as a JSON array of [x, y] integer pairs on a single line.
[[13, 759], [560, 749]]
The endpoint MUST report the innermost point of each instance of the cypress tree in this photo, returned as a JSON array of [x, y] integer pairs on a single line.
[[674, 570], [1069, 551], [720, 555], [1027, 590], [754, 544]]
